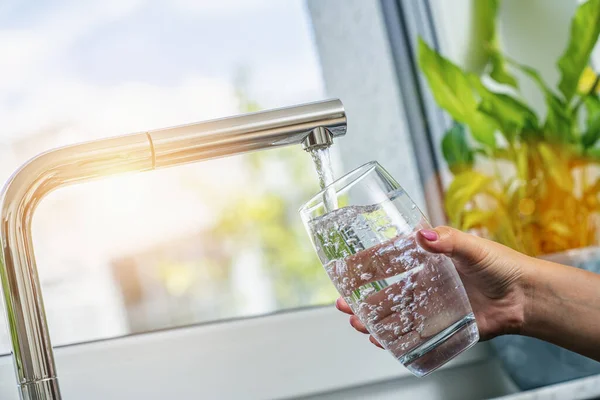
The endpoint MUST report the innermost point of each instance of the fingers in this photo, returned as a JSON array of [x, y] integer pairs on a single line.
[[356, 324], [375, 342], [455, 244], [389, 324], [341, 305], [376, 263]]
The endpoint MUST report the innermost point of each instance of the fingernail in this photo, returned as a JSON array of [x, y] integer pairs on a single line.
[[429, 234]]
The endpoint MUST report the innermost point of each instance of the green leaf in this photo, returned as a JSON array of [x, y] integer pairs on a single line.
[[477, 218], [499, 72], [482, 34], [449, 84], [510, 114], [592, 134], [589, 82], [585, 28], [556, 167], [452, 92], [592, 105], [522, 164], [484, 44], [456, 150], [497, 153], [334, 247], [488, 14], [463, 189], [559, 122], [594, 153], [482, 128]]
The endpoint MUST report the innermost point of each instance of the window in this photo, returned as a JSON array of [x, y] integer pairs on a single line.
[[210, 241]]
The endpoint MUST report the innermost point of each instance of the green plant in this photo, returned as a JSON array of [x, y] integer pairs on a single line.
[[528, 182]]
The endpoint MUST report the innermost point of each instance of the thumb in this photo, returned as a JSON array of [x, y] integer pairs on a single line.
[[457, 245]]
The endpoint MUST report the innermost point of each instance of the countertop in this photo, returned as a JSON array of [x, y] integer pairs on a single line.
[[580, 389]]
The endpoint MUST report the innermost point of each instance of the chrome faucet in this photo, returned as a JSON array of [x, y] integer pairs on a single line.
[[312, 125]]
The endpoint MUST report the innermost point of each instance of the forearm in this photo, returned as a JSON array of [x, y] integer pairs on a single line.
[[563, 306]]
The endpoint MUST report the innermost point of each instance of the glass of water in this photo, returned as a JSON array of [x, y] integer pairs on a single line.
[[363, 227]]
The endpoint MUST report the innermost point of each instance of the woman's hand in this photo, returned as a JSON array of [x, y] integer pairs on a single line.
[[491, 273]]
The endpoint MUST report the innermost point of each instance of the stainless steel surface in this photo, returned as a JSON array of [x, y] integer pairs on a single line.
[[32, 349], [39, 390], [319, 137], [188, 143]]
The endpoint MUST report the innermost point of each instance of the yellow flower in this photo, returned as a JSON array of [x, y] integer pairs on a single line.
[[587, 79]]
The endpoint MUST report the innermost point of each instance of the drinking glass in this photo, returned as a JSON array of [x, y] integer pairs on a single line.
[[412, 301]]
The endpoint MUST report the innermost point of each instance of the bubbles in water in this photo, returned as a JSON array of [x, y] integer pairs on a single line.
[[404, 295]]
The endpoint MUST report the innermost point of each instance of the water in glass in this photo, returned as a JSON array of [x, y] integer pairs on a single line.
[[413, 302]]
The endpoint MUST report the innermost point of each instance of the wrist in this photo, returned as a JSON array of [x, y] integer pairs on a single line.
[[527, 288], [530, 288], [511, 309]]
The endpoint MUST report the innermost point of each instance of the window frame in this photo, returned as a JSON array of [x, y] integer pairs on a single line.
[[405, 22]]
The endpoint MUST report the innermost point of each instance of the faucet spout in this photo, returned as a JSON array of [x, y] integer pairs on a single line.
[[314, 124], [318, 138], [295, 125]]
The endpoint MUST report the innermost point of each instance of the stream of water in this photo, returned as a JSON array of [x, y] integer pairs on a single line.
[[322, 160]]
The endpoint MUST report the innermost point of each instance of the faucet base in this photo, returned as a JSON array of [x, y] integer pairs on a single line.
[[40, 390]]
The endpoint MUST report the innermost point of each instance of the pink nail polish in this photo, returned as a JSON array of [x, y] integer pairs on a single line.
[[429, 234]]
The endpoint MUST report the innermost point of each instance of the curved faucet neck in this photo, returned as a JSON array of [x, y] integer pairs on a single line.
[[32, 349]]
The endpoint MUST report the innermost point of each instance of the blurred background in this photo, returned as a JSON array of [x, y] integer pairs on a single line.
[[210, 241], [222, 239]]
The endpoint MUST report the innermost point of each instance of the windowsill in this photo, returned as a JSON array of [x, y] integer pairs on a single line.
[[281, 356], [579, 389]]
